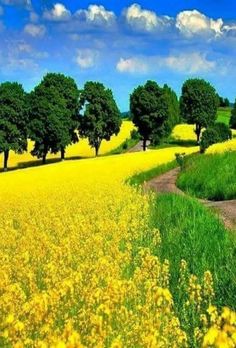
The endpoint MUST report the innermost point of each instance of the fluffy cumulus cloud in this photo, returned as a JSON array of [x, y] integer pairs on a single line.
[[132, 65], [97, 15], [86, 58], [35, 30], [192, 23], [145, 20], [58, 13]]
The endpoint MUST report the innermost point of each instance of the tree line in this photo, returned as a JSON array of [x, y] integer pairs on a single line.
[[57, 113]]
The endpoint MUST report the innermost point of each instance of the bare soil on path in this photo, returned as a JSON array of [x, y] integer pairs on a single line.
[[166, 183]]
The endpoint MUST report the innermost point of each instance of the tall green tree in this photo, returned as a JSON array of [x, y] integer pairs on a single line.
[[233, 116], [13, 120], [101, 117], [68, 91], [149, 108], [198, 104], [173, 108], [47, 127]]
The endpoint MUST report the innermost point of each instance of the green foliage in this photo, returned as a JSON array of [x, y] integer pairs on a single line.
[[217, 133], [150, 108], [140, 178], [53, 109], [233, 117], [210, 176], [101, 118], [193, 233], [224, 102], [13, 119], [135, 134], [173, 108], [198, 104]]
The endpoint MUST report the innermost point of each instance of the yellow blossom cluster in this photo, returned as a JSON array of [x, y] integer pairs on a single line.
[[229, 145], [80, 149], [77, 261], [184, 132]]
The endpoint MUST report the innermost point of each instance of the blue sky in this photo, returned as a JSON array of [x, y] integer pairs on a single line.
[[121, 44]]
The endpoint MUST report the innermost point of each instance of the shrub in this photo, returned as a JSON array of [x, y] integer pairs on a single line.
[[218, 133]]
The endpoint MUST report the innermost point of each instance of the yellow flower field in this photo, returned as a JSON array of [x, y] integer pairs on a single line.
[[73, 269], [229, 145], [81, 149], [184, 132]]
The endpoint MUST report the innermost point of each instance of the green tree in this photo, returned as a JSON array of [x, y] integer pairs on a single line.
[[47, 127], [149, 108], [233, 117], [101, 117], [173, 108], [68, 91], [198, 104], [13, 120]]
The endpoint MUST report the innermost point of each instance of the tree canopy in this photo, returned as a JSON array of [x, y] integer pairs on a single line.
[[53, 111], [13, 119], [198, 104], [151, 107], [101, 117]]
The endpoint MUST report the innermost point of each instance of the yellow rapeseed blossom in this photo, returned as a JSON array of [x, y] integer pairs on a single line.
[[184, 132], [229, 145], [80, 149], [72, 267]]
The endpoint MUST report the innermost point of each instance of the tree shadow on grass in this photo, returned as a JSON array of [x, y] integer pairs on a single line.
[[38, 163]]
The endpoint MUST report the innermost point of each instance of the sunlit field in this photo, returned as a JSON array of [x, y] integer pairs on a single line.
[[229, 145], [184, 132], [81, 149]]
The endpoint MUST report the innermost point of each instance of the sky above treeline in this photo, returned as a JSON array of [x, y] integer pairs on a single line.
[[120, 43]]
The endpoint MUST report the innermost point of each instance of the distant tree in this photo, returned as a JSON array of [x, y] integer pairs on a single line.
[[69, 93], [233, 117], [13, 120], [198, 104], [47, 127], [150, 110], [217, 133], [101, 117], [227, 103]]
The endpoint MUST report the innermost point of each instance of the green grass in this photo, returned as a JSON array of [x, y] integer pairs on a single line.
[[211, 177], [223, 115]]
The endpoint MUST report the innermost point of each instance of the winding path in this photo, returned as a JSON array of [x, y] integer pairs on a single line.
[[166, 183]]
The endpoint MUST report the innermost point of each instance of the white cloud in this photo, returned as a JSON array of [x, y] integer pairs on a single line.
[[86, 58], [97, 15], [186, 63], [26, 3], [58, 13], [145, 20], [35, 30], [34, 17], [190, 63], [192, 23], [132, 65]]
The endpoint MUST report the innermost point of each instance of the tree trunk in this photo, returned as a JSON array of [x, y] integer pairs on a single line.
[[44, 158], [6, 156], [63, 153], [96, 150], [198, 132], [144, 144]]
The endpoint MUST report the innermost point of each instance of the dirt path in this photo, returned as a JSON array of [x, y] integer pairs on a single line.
[[138, 147], [166, 183]]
